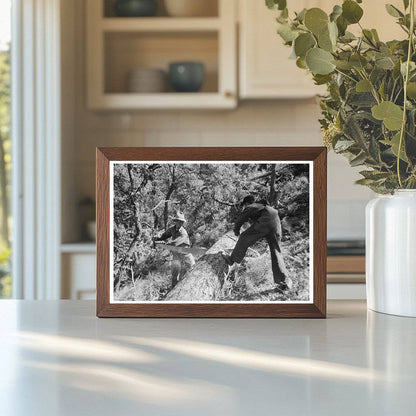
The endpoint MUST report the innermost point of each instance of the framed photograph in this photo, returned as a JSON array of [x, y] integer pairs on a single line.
[[211, 232]]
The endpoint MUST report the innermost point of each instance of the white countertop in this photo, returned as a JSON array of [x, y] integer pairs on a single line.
[[57, 359]]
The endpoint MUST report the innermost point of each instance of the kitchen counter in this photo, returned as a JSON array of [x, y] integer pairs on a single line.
[[58, 359]]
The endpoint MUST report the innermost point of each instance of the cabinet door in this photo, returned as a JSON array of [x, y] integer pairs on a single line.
[[265, 68]]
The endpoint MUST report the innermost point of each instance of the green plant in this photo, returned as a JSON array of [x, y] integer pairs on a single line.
[[369, 112]]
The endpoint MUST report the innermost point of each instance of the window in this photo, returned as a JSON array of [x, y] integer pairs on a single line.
[[5, 145]]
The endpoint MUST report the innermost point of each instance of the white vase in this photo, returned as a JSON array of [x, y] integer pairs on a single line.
[[391, 253]]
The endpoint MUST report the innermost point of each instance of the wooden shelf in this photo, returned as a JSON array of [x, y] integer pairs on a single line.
[[163, 101], [159, 24]]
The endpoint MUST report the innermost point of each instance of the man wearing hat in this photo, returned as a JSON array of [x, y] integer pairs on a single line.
[[265, 223], [177, 236]]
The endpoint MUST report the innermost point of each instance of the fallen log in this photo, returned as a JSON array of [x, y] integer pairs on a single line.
[[204, 281]]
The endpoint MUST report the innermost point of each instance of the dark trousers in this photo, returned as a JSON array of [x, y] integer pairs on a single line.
[[251, 236]]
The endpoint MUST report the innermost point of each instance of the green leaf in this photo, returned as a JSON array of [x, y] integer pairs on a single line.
[[336, 12], [374, 150], [325, 43], [375, 35], [303, 43], [301, 63], [361, 99], [374, 175], [391, 114], [368, 36], [321, 79], [343, 65], [333, 32], [358, 160], [347, 37], [394, 145], [342, 25], [300, 17], [412, 67], [286, 32], [411, 90], [316, 20], [385, 63], [276, 4], [393, 11], [319, 61], [406, 4], [351, 11], [364, 181], [358, 61], [363, 86], [343, 145]]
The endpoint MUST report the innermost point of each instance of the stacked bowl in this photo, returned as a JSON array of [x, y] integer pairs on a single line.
[[147, 80]]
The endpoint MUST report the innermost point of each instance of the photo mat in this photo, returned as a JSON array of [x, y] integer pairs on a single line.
[[204, 200]]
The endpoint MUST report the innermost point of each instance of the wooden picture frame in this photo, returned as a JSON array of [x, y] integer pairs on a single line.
[[314, 308]]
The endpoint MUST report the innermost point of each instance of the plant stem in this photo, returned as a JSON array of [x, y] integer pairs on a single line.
[[406, 80], [345, 75]]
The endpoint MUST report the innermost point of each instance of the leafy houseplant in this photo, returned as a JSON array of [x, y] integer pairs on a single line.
[[369, 113]]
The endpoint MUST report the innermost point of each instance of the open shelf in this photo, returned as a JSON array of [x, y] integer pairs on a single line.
[[116, 46], [127, 51]]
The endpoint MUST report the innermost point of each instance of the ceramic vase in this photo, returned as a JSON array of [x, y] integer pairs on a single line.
[[391, 253]]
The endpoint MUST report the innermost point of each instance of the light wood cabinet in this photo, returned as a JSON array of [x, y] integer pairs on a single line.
[[265, 70]]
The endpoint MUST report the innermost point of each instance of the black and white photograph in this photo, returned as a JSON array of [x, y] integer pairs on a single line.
[[211, 232]]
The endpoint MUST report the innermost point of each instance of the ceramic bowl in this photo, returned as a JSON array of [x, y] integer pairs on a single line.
[[147, 80], [186, 76], [135, 8]]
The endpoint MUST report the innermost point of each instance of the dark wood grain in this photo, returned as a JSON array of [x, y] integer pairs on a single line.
[[317, 309]]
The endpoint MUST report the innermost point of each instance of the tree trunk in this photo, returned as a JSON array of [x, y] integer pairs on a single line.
[[204, 281]]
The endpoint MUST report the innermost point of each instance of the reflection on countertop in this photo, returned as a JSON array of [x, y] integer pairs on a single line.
[[63, 360]]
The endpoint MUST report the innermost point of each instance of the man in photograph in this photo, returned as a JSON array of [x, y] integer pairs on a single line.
[[177, 236], [265, 223]]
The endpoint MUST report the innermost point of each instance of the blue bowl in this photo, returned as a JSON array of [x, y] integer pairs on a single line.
[[136, 8], [186, 76]]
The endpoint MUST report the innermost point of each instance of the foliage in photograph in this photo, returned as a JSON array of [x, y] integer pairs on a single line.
[[148, 196], [369, 113]]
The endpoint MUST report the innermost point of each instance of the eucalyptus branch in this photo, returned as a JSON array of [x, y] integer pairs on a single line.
[[373, 89], [406, 80], [346, 75]]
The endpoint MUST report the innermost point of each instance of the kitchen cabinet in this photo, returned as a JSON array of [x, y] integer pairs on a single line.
[[265, 70]]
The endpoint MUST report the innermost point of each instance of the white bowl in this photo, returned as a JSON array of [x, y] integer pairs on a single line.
[[191, 8], [146, 80]]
